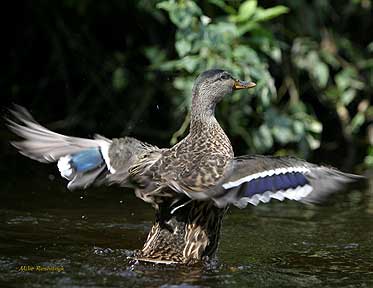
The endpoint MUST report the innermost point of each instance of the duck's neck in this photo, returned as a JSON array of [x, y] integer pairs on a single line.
[[203, 124], [202, 113], [205, 128]]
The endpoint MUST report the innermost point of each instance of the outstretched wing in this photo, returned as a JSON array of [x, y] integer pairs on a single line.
[[255, 179], [81, 161]]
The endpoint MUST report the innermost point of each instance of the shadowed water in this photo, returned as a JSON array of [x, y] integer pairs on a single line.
[[92, 234]]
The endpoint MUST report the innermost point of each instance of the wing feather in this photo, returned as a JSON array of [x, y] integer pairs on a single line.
[[255, 179]]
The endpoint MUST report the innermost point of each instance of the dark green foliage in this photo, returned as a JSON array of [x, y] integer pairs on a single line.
[[127, 67], [313, 65]]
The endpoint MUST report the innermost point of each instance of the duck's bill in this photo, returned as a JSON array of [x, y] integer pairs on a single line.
[[239, 84]]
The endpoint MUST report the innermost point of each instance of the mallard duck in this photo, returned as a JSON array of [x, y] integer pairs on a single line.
[[190, 184]]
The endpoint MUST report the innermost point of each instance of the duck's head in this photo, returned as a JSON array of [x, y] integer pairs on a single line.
[[211, 86]]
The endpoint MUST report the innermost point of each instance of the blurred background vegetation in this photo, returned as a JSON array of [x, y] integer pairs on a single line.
[[127, 67]]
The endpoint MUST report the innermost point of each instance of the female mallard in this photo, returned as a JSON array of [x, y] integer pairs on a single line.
[[190, 184]]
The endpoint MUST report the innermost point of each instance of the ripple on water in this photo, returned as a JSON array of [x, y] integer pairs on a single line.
[[275, 245]]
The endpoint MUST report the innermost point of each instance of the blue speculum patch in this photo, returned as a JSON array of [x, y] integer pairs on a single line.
[[87, 160], [273, 183]]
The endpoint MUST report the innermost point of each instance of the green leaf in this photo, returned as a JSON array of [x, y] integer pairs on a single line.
[[119, 80], [270, 13], [321, 73], [357, 121], [222, 5], [282, 128], [315, 126], [181, 13], [183, 47], [245, 54], [347, 96], [167, 5], [246, 10], [189, 63], [155, 55], [247, 27], [312, 142], [298, 127], [262, 138], [265, 136]]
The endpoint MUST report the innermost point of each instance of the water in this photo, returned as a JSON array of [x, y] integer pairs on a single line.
[[92, 235]]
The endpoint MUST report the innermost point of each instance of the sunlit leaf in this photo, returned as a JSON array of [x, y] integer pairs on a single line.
[[183, 47], [347, 96], [246, 10], [267, 14], [321, 73], [315, 126], [357, 121], [312, 142]]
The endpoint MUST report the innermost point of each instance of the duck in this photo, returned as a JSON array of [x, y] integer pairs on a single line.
[[191, 184]]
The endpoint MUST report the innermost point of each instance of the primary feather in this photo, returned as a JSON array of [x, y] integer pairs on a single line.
[[254, 179], [80, 160]]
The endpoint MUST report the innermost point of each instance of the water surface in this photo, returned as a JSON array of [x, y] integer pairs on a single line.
[[92, 234]]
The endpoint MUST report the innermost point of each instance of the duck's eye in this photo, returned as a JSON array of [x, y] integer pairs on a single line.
[[224, 77]]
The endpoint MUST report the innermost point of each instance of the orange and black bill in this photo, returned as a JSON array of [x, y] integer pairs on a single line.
[[239, 84]]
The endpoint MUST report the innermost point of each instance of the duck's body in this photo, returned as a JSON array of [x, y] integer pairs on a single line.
[[190, 184], [195, 164]]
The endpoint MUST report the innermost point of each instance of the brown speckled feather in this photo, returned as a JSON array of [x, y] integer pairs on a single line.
[[193, 165], [125, 153], [197, 163]]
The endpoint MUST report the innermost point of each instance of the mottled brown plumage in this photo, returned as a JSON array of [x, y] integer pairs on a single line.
[[193, 165], [190, 184], [187, 236]]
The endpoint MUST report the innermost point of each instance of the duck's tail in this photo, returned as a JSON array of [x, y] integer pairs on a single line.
[[81, 161]]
